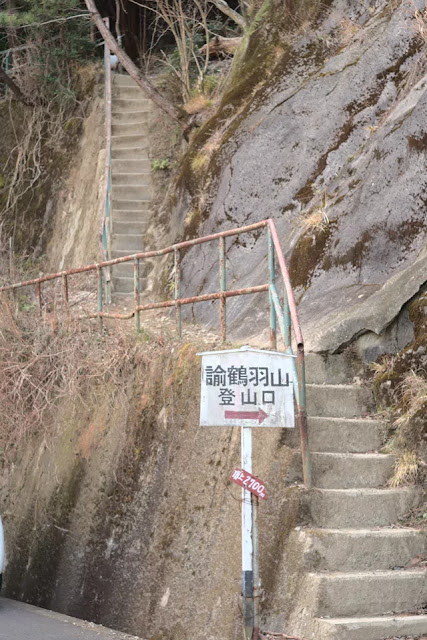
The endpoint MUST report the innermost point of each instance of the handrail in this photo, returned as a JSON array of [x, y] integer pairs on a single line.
[[286, 314], [105, 225]]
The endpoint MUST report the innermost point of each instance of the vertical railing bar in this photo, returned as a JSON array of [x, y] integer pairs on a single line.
[[100, 297], [273, 332], [136, 294], [302, 418], [177, 292], [65, 291], [288, 325], [223, 287], [39, 296]]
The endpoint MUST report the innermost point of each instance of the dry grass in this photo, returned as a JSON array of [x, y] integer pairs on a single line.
[[40, 364], [198, 104], [407, 470], [202, 158], [419, 25]]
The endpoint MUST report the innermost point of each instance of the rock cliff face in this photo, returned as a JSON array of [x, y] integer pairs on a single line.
[[323, 129]]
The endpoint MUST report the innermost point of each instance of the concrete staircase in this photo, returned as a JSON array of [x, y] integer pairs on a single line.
[[358, 582], [131, 184]]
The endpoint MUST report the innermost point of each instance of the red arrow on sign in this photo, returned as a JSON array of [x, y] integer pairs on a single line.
[[259, 415]]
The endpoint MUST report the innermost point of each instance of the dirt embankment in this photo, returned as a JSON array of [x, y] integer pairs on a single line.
[[119, 508]]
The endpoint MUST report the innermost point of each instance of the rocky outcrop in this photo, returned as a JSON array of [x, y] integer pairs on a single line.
[[325, 131]]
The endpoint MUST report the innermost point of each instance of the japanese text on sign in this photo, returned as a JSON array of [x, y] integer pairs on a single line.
[[247, 388], [248, 481]]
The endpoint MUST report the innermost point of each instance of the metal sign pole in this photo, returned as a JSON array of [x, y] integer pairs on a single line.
[[255, 565], [247, 543]]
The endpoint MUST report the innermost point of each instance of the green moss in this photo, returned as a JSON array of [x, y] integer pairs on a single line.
[[307, 255]]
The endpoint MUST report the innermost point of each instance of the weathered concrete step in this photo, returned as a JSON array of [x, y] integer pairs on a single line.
[[369, 592], [121, 179], [137, 227], [126, 129], [361, 549], [129, 153], [129, 117], [338, 401], [360, 508], [351, 470], [131, 166], [132, 141], [125, 270], [133, 215], [128, 91], [119, 253], [131, 192], [129, 243], [134, 206], [340, 435], [129, 104], [372, 628], [123, 79], [123, 285], [331, 369]]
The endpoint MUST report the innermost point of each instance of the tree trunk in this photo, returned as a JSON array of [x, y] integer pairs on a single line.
[[168, 107], [13, 87]]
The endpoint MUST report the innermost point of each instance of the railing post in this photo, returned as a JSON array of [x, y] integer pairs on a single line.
[[273, 334], [39, 296], [302, 417], [136, 294], [65, 291], [177, 292], [100, 297], [288, 325], [222, 286]]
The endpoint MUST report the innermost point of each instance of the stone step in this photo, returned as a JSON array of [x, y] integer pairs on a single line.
[[123, 285], [367, 593], [378, 628], [134, 206], [125, 270], [130, 129], [131, 91], [360, 508], [340, 435], [129, 117], [131, 166], [338, 401], [132, 141], [130, 153], [122, 79], [351, 470], [129, 243], [132, 215], [131, 192], [129, 228], [121, 179], [361, 549], [119, 253], [331, 369], [120, 105]]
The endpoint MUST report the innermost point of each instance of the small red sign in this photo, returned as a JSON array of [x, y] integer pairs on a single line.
[[249, 482]]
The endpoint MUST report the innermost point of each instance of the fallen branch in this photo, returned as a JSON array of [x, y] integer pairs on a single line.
[[136, 74]]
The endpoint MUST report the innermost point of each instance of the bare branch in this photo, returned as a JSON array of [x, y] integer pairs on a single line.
[[14, 88], [228, 11]]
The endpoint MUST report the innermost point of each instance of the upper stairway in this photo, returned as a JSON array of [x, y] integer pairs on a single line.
[[131, 188]]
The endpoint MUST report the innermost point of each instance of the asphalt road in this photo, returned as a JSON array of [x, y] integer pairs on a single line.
[[20, 621]]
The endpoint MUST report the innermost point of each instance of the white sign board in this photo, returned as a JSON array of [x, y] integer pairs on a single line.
[[247, 388]]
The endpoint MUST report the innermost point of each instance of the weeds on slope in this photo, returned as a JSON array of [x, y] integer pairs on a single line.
[[39, 365]]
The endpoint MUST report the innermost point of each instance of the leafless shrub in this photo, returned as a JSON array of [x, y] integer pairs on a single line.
[[40, 364]]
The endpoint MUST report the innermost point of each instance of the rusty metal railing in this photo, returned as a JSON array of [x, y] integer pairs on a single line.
[[285, 315], [105, 225]]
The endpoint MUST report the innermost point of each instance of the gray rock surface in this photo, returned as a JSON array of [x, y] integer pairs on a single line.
[[334, 150]]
